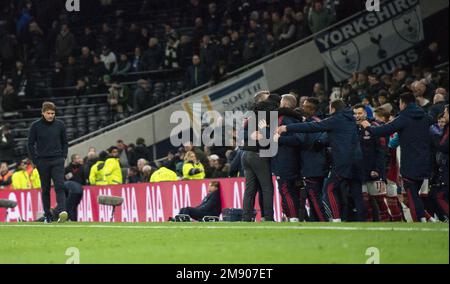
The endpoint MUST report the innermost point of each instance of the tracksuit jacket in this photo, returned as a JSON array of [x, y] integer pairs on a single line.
[[286, 162], [343, 139], [373, 155], [412, 125]]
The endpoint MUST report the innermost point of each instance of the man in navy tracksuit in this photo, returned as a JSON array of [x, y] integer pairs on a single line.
[[313, 161], [439, 190], [48, 148], [373, 168], [347, 157], [285, 164], [413, 126]]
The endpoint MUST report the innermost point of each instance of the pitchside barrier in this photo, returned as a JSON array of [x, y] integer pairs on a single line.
[[147, 202]]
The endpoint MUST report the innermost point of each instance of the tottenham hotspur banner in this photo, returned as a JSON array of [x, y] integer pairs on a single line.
[[379, 41]]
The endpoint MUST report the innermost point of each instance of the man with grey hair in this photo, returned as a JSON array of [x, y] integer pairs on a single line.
[[285, 164], [438, 106]]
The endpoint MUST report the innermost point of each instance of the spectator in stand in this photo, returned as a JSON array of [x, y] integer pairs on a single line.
[[208, 52], [192, 168], [253, 48], [197, 74], [430, 56], [141, 163], [90, 161], [123, 153], [65, 43], [9, 97], [236, 49], [186, 50], [20, 179], [133, 175], [109, 59], [71, 72], [137, 65], [153, 57], [319, 17], [123, 66], [141, 150], [288, 31], [424, 103], [7, 144], [85, 61], [383, 101], [142, 98], [118, 100], [74, 172], [5, 176], [375, 86], [438, 106], [88, 39], [172, 53]]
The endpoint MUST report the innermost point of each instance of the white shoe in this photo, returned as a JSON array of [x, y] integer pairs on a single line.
[[63, 216], [294, 220], [336, 221]]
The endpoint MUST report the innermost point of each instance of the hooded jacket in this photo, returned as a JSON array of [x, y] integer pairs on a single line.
[[412, 125], [343, 138]]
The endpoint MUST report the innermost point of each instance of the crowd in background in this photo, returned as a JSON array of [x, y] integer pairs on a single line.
[[373, 98], [207, 40]]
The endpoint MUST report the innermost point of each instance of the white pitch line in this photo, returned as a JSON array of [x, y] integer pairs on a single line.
[[299, 228]]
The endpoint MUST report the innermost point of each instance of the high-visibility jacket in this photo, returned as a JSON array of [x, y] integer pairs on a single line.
[[113, 172], [35, 179], [6, 179], [97, 174], [163, 174], [187, 167], [21, 180]]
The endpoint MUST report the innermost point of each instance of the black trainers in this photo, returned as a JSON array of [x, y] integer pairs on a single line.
[[47, 220]]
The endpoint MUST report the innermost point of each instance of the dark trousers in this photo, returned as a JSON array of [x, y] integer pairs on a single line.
[[73, 200], [338, 190], [439, 195], [314, 188], [258, 174], [52, 170], [290, 196], [415, 204], [194, 213]]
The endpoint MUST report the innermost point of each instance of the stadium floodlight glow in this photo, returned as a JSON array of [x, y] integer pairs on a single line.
[[113, 201], [8, 204]]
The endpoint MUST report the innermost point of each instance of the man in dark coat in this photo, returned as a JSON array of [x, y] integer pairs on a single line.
[[6, 145], [373, 168], [347, 157], [210, 206], [412, 125], [313, 160], [285, 164]]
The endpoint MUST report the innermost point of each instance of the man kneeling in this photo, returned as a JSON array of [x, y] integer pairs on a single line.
[[210, 206]]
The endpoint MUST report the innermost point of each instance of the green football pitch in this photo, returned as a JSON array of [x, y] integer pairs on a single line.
[[224, 243]]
